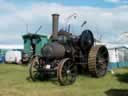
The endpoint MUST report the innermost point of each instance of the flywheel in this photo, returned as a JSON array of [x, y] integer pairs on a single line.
[[86, 40]]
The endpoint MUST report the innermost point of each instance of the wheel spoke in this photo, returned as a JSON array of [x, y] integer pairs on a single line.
[[70, 66], [103, 53]]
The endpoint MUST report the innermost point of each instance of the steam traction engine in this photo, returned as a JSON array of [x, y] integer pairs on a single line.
[[65, 54]]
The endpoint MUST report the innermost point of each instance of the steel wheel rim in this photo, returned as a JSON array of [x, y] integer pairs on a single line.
[[98, 61], [33, 70], [67, 72], [101, 61]]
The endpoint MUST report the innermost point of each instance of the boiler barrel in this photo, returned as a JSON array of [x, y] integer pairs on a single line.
[[53, 50]]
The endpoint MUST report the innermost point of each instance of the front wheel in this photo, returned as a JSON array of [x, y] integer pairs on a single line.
[[33, 68], [66, 72]]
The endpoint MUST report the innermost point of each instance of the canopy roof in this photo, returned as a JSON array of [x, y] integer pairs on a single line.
[[31, 35]]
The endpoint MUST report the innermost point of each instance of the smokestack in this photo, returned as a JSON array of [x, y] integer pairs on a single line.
[[55, 18]]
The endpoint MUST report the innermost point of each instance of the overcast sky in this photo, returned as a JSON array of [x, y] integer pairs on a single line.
[[106, 18]]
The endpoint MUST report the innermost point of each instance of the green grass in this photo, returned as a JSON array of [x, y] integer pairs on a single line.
[[13, 83]]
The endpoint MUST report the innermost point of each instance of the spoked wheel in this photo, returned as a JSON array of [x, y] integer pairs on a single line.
[[98, 60], [66, 72], [33, 68]]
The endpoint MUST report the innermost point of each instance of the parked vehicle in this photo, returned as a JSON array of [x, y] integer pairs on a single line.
[[32, 45], [2, 58], [13, 57]]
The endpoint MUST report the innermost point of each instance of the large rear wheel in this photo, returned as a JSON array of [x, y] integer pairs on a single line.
[[98, 60], [66, 72]]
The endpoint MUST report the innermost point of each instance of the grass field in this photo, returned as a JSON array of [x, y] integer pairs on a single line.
[[13, 83]]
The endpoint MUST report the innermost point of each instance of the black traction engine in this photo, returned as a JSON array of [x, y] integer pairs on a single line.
[[65, 54]]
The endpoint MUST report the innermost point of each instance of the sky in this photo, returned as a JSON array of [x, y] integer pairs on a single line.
[[107, 19]]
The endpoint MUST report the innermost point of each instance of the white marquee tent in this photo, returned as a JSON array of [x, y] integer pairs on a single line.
[[11, 47]]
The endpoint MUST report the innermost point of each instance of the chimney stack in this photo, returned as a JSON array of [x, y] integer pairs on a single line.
[[55, 21]]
